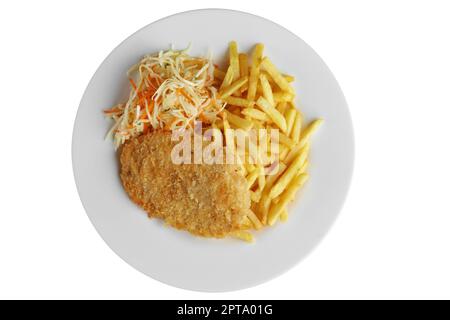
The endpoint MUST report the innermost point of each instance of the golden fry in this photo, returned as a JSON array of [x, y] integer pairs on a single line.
[[285, 140], [289, 78], [282, 96], [287, 176], [284, 215], [282, 106], [243, 235], [273, 113], [295, 151], [275, 74], [285, 197], [290, 118], [243, 64], [251, 178], [254, 71], [264, 202], [297, 128], [255, 114], [228, 91], [234, 60], [239, 102], [238, 121], [219, 74], [228, 79], [266, 89], [309, 130], [254, 219]]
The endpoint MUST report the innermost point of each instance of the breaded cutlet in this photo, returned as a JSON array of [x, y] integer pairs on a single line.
[[206, 200]]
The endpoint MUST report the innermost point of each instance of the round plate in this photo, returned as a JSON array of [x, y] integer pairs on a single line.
[[175, 257]]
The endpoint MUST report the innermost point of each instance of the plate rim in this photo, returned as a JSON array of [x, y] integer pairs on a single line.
[[325, 230]]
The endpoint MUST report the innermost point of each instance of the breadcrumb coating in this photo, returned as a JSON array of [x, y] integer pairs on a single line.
[[206, 200]]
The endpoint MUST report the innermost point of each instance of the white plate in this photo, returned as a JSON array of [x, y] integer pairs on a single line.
[[175, 257]]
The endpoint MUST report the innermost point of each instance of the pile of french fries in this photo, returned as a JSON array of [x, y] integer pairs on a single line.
[[259, 96]]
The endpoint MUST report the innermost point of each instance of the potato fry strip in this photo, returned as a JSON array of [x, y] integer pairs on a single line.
[[284, 139], [295, 151], [255, 114], [264, 202], [287, 176], [228, 79], [243, 235], [289, 78], [234, 60], [285, 197], [284, 215], [290, 118], [243, 64], [309, 130], [273, 113], [251, 178], [254, 219], [239, 102], [219, 74], [232, 88], [296, 129], [238, 121], [266, 89], [282, 96], [282, 106], [275, 74], [254, 71]]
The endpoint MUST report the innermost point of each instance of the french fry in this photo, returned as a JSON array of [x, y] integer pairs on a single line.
[[285, 140], [273, 113], [243, 235], [254, 71], [246, 224], [243, 65], [229, 137], [266, 89], [282, 106], [309, 130], [295, 151], [303, 168], [283, 154], [287, 176], [250, 167], [284, 215], [261, 180], [264, 202], [243, 89], [239, 102], [282, 96], [290, 118], [234, 60], [276, 75], [251, 178], [255, 196], [255, 114], [285, 197], [219, 74], [228, 79], [232, 88], [254, 219], [238, 121], [297, 128], [289, 78]]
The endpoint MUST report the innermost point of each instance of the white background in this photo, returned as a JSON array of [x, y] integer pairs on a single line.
[[392, 60]]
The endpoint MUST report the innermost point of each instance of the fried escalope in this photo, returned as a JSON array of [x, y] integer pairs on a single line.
[[206, 200]]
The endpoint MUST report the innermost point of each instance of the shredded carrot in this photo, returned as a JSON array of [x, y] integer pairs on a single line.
[[133, 84]]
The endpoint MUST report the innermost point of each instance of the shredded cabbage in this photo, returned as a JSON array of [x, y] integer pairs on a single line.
[[169, 90]]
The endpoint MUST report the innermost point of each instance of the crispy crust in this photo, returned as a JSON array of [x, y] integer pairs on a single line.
[[206, 200]]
